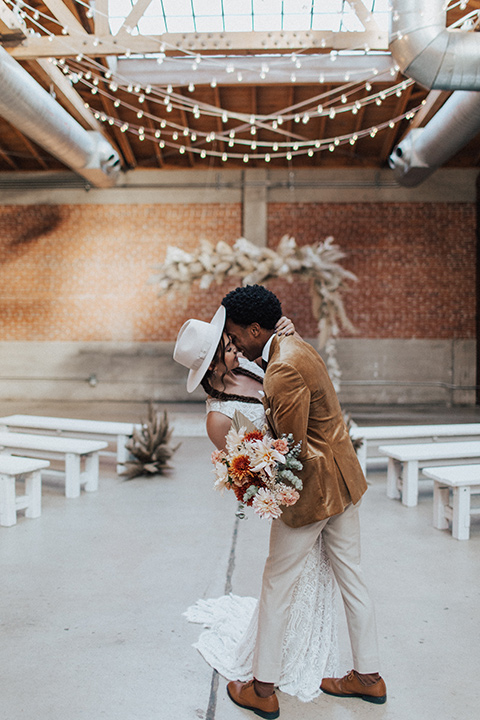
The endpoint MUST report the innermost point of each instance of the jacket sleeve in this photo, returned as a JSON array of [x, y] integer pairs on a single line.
[[288, 400]]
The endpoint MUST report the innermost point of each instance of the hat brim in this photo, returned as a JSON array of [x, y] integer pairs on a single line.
[[218, 324]]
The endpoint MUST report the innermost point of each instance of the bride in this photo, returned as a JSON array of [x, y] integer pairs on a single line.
[[310, 647]]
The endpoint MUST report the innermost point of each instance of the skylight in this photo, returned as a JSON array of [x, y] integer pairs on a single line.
[[204, 16]]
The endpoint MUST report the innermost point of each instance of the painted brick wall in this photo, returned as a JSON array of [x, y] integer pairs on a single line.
[[415, 264], [80, 272]]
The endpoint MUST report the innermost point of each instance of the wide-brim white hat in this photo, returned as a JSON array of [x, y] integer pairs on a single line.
[[197, 342]]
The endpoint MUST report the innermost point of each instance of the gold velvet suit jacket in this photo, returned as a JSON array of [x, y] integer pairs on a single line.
[[300, 399]]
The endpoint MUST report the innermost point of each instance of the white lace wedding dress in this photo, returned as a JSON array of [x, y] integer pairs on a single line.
[[310, 648]]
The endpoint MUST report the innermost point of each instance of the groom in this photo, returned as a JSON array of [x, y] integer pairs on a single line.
[[300, 399]]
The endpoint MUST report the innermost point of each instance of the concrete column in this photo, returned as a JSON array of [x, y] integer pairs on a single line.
[[254, 197]]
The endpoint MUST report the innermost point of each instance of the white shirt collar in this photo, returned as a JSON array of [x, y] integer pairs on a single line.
[[266, 348]]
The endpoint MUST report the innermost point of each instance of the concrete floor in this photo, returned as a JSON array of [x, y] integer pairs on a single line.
[[92, 593]]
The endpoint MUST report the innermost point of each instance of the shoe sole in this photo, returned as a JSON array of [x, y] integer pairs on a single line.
[[368, 698], [262, 713]]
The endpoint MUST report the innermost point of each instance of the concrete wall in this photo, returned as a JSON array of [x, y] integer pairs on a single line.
[[373, 371]]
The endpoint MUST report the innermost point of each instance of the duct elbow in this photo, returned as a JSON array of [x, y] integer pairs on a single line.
[[103, 156], [409, 168], [428, 52]]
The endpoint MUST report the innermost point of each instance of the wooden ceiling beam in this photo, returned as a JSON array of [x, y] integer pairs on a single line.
[[433, 102], [66, 20], [152, 128], [172, 43], [31, 148], [69, 97], [121, 139], [350, 152], [101, 25], [390, 134], [12, 27], [135, 14], [4, 155]]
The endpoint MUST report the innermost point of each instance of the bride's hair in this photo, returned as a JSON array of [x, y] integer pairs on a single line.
[[219, 395], [205, 382]]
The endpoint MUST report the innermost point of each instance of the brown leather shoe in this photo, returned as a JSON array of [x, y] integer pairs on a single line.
[[350, 686], [244, 695]]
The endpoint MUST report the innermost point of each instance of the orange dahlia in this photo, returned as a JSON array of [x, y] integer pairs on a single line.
[[253, 435], [240, 469]]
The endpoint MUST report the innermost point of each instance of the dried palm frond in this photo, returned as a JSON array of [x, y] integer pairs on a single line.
[[149, 446], [319, 264]]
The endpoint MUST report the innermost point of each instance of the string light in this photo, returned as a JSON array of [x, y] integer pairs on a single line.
[[289, 148]]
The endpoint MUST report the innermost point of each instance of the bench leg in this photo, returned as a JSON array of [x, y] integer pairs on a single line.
[[91, 471], [393, 474], [410, 483], [362, 456], [8, 510], [461, 513], [72, 475], [122, 452], [33, 491], [441, 500]]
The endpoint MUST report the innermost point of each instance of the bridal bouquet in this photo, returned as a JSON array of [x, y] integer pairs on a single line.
[[257, 468]]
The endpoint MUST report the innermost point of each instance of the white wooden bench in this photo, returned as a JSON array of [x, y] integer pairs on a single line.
[[404, 462], [376, 435], [464, 481], [70, 427], [30, 471], [69, 450]]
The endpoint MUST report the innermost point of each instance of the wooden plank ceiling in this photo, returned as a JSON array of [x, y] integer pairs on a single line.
[[206, 106]]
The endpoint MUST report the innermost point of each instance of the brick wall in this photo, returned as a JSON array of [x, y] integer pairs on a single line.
[[80, 272], [415, 264]]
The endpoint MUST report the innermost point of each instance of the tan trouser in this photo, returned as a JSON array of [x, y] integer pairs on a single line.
[[289, 548]]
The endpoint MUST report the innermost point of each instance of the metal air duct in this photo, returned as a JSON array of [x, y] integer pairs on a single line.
[[436, 57], [30, 108], [425, 149], [427, 51]]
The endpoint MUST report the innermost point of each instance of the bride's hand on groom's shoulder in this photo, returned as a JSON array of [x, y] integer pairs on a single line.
[[285, 326]]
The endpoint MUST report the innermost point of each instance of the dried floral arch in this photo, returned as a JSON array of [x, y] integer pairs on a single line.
[[317, 264]]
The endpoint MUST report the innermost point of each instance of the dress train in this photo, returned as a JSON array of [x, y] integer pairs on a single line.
[[310, 648]]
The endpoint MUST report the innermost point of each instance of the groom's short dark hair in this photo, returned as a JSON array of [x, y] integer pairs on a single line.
[[253, 303]]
